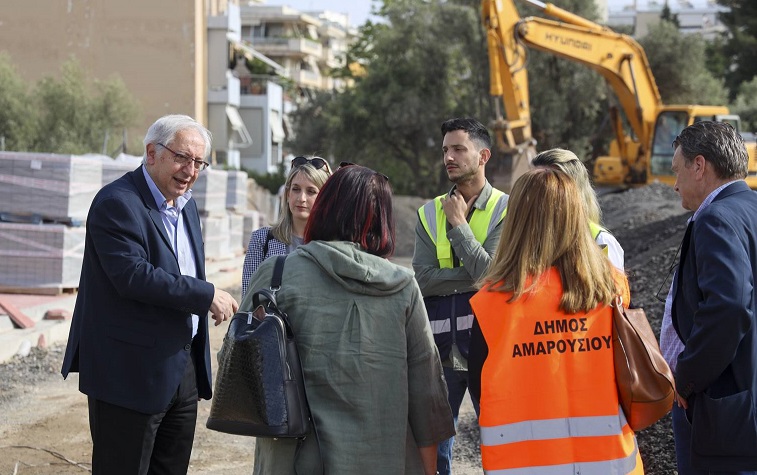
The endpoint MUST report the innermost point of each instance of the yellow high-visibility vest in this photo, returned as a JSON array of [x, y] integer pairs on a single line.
[[482, 223]]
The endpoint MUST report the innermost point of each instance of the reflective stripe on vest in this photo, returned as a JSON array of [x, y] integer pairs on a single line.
[[622, 466], [549, 404], [554, 429], [443, 326], [482, 222]]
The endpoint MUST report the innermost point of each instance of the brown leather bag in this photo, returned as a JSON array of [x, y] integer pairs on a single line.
[[646, 388]]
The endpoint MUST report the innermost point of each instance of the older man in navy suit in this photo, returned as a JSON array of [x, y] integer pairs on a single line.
[[714, 309], [139, 335]]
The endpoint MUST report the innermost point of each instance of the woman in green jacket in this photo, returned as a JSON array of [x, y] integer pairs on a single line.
[[372, 372]]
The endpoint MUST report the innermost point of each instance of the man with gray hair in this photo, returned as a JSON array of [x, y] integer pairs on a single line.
[[139, 334], [714, 304]]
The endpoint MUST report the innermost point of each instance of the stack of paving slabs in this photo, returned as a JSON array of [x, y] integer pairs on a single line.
[[209, 191], [44, 201], [115, 168], [49, 186], [216, 235], [236, 191], [260, 199], [40, 256], [252, 220], [237, 241]]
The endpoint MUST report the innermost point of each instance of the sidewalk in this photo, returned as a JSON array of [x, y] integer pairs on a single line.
[[226, 274]]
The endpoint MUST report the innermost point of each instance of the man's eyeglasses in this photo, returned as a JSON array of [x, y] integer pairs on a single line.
[[315, 162], [183, 160], [348, 164]]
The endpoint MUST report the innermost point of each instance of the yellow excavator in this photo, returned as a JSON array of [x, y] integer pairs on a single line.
[[640, 156]]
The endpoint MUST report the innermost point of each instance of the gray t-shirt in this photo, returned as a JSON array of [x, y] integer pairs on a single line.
[[296, 242]]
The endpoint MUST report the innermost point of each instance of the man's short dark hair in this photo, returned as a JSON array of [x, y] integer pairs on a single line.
[[719, 143], [476, 130]]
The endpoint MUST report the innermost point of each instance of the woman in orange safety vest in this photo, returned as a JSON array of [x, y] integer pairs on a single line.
[[541, 348]]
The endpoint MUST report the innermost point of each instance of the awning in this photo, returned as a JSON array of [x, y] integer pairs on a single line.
[[288, 125], [238, 125], [249, 52], [277, 129]]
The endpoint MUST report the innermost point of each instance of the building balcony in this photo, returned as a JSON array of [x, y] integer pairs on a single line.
[[287, 46], [308, 79], [228, 94]]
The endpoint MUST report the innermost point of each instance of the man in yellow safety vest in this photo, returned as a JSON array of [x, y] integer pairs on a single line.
[[455, 238]]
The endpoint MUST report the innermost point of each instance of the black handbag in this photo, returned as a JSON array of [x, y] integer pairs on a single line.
[[260, 389]]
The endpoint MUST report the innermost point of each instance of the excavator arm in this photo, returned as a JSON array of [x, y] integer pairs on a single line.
[[508, 79], [617, 57], [633, 158]]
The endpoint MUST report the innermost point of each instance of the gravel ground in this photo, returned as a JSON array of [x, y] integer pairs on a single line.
[[648, 221]]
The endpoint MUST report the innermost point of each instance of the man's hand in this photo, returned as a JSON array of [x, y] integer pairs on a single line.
[[681, 401], [224, 306], [456, 209]]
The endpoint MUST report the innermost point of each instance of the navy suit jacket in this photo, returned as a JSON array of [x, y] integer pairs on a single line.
[[715, 314], [131, 333]]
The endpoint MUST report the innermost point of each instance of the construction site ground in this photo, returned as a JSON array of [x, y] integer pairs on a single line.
[[43, 419]]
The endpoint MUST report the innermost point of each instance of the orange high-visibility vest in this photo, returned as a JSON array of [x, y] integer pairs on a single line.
[[549, 403]]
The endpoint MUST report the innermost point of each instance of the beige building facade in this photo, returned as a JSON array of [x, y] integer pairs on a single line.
[[158, 48]]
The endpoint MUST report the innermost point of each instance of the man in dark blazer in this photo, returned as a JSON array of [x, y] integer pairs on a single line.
[[714, 307], [139, 335]]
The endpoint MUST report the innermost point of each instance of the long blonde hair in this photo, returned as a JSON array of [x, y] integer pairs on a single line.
[[568, 162], [283, 229], [545, 226]]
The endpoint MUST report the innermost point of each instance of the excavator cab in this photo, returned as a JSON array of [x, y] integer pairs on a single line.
[[666, 129], [672, 120]]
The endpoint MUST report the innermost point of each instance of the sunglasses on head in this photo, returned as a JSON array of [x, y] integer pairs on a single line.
[[315, 162], [348, 164]]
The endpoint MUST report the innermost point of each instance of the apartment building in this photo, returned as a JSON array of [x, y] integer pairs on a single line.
[[694, 16], [307, 44], [245, 116]]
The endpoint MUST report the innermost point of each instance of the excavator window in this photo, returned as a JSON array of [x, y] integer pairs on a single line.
[[667, 127]]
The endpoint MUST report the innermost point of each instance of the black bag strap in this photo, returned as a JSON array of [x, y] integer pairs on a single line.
[[278, 271], [265, 245], [270, 294]]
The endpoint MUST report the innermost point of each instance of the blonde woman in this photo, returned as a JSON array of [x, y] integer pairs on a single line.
[[567, 161], [541, 346], [303, 183]]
